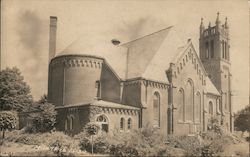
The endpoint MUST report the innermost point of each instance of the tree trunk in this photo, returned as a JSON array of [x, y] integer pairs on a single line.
[[91, 144], [3, 132]]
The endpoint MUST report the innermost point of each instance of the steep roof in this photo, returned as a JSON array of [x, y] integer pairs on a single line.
[[210, 88], [149, 57]]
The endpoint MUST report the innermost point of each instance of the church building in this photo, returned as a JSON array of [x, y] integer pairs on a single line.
[[155, 80]]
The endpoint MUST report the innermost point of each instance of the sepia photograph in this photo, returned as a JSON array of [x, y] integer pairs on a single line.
[[124, 78]]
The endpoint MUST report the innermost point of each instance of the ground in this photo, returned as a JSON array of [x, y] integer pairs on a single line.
[[22, 144]]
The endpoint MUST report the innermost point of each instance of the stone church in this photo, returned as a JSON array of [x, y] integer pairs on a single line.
[[155, 80]]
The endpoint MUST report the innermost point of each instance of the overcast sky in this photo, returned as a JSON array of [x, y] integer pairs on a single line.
[[25, 30]]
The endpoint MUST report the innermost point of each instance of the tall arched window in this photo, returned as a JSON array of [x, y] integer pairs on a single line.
[[122, 124], [66, 125], [103, 121], [129, 123], [197, 107], [71, 123], [98, 89], [189, 101], [207, 50], [212, 48], [181, 106], [210, 108], [156, 109]]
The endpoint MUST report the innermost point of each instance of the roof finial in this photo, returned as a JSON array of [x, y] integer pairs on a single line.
[[209, 25], [226, 24], [201, 25], [217, 19]]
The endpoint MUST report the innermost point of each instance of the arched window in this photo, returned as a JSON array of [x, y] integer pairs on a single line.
[[210, 108], [189, 101], [103, 121], [197, 107], [66, 125], [207, 50], [212, 48], [71, 123], [122, 124], [156, 110], [98, 89], [129, 123], [181, 105]]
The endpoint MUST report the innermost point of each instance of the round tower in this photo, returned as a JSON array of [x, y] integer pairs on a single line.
[[74, 79]]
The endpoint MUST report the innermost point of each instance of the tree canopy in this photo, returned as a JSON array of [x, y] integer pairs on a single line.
[[14, 92], [8, 120], [45, 118], [242, 119]]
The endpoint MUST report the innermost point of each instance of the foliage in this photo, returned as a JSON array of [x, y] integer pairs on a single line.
[[15, 93], [242, 120], [92, 128], [43, 99], [8, 120], [191, 144], [215, 126], [43, 120], [142, 142]]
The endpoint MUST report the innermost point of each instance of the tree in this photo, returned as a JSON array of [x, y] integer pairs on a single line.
[[8, 121], [92, 129], [44, 118], [242, 119], [14, 92]]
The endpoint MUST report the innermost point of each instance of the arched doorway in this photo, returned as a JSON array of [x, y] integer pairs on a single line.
[[103, 121]]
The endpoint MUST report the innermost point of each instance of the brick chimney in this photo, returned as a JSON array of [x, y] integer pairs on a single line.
[[52, 37]]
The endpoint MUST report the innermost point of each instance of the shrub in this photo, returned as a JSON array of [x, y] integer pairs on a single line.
[[44, 120], [190, 144], [8, 121]]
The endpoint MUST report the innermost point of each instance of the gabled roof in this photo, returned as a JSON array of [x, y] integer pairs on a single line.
[[210, 88], [150, 56]]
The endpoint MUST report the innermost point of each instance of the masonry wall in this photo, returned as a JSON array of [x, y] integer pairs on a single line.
[[189, 81], [81, 115], [110, 85]]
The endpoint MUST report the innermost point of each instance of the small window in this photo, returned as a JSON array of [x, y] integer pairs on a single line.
[[180, 65], [210, 110], [98, 89], [122, 124], [129, 124], [186, 58], [183, 61], [71, 123]]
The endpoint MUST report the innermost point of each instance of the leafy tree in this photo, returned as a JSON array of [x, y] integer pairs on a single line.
[[14, 92], [92, 129], [44, 118], [43, 99], [8, 121], [242, 119]]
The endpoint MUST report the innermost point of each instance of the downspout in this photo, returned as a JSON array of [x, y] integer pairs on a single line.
[[170, 111]]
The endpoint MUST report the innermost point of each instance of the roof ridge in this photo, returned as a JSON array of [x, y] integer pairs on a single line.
[[146, 35]]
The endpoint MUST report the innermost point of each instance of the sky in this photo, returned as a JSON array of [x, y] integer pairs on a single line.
[[25, 31]]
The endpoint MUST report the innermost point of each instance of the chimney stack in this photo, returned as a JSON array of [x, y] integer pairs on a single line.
[[52, 37]]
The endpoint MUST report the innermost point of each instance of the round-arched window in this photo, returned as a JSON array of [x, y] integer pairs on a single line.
[[103, 121], [122, 124], [156, 111], [210, 108], [129, 123]]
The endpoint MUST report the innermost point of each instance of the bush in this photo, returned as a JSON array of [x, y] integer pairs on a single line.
[[190, 144], [142, 142]]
